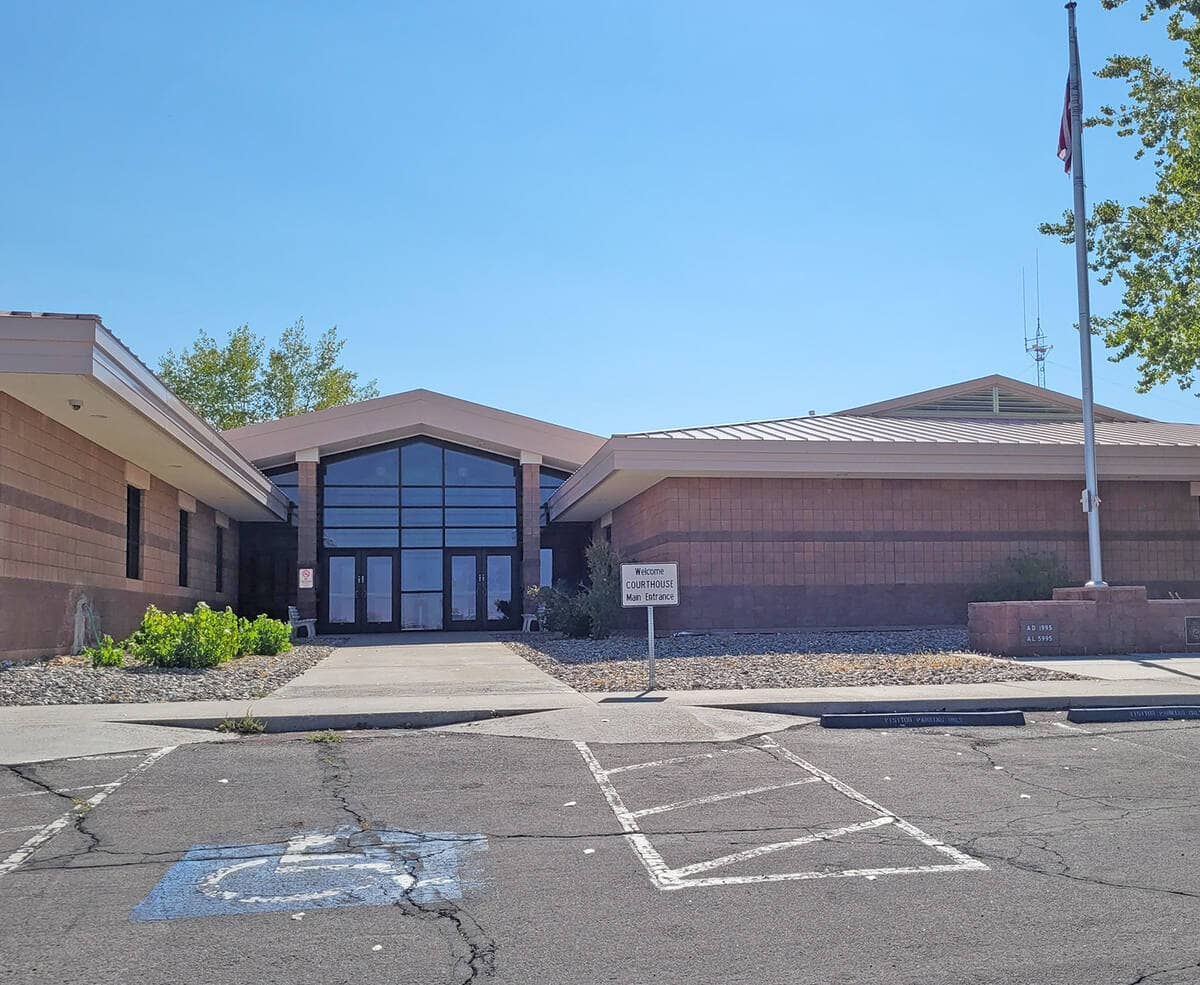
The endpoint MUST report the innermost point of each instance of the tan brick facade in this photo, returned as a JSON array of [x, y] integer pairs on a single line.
[[851, 552], [62, 534]]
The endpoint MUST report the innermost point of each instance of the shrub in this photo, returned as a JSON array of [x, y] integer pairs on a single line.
[[208, 638], [566, 611], [105, 653], [602, 598], [156, 641], [1027, 577], [266, 636], [595, 609]]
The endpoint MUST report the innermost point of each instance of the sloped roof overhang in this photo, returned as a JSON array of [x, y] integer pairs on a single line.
[[414, 412], [52, 361], [626, 466]]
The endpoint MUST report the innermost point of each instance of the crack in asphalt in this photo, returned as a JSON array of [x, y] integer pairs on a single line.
[[26, 772], [472, 948], [1150, 975]]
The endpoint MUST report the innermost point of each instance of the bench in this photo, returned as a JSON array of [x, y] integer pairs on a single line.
[[308, 625]]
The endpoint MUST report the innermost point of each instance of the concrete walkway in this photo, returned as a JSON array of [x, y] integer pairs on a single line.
[[435, 681], [422, 665]]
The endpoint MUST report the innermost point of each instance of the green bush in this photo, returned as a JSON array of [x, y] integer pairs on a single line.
[[566, 611], [595, 609], [106, 653], [267, 636], [1027, 577], [156, 641], [204, 637], [602, 597], [209, 638]]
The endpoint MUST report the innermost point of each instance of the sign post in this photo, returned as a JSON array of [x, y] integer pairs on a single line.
[[645, 586]]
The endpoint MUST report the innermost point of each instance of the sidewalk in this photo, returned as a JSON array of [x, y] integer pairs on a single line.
[[417, 683]]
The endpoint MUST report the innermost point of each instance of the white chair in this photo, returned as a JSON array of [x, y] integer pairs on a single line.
[[308, 625], [529, 618]]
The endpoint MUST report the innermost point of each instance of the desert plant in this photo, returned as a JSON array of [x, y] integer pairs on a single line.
[[566, 611], [602, 597], [105, 653], [266, 636], [246, 725], [1026, 577], [325, 736]]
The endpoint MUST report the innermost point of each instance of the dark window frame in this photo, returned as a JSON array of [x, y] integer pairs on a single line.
[[183, 548], [133, 532], [345, 511]]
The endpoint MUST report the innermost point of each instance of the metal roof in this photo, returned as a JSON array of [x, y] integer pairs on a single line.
[[843, 428]]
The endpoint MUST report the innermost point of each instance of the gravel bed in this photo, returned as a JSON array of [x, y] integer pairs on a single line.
[[747, 660], [72, 681]]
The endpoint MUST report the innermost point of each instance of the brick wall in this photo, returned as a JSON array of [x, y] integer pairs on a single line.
[[62, 534], [850, 552]]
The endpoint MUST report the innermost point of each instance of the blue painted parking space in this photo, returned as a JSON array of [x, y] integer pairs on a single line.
[[346, 867]]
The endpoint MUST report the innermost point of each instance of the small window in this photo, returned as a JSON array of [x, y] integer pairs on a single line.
[[220, 559], [546, 556], [183, 548], [133, 532]]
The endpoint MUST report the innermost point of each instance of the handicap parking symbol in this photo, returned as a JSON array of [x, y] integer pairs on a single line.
[[345, 867]]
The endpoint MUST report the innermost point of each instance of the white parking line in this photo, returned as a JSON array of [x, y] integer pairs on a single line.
[[674, 759], [716, 797], [60, 790], [667, 878], [17, 858], [779, 846]]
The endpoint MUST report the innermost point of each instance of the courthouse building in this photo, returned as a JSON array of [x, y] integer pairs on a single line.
[[419, 511]]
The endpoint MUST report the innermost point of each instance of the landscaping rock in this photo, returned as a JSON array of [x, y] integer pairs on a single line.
[[757, 660], [73, 681]]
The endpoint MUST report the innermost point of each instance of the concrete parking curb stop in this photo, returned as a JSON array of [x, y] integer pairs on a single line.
[[924, 719], [1148, 713]]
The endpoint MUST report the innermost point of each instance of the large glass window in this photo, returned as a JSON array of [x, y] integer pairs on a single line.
[[288, 481], [419, 497], [550, 480], [434, 487], [377, 468]]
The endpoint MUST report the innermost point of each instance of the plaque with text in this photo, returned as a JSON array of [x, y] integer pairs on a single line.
[[1040, 632], [1191, 628]]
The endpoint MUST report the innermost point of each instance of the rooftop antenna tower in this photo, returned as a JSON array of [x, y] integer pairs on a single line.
[[1037, 347]]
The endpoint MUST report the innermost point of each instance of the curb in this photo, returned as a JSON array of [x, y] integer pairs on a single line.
[[345, 721], [818, 709]]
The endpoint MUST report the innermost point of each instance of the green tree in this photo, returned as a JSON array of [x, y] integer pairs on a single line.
[[1152, 246], [233, 385]]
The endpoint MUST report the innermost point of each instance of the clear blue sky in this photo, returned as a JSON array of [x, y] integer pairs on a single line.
[[615, 216]]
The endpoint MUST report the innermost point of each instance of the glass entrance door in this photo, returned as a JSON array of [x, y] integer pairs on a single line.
[[361, 591], [481, 589]]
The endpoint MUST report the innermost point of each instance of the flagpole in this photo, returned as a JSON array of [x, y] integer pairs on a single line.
[[1090, 498]]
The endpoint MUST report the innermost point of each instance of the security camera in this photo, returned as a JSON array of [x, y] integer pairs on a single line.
[[75, 404]]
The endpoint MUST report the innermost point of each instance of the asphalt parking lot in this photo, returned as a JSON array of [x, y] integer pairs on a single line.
[[1050, 853]]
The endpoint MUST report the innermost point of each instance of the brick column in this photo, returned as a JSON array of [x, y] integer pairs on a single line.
[[306, 534], [531, 524]]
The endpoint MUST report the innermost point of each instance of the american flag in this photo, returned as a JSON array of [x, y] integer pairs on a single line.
[[1064, 132]]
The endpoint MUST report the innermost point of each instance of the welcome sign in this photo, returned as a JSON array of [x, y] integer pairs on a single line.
[[649, 584]]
